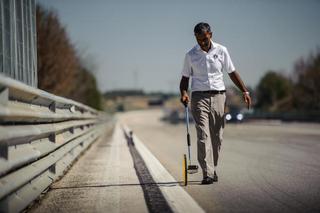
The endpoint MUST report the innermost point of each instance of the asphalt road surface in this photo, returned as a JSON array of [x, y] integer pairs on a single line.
[[264, 167]]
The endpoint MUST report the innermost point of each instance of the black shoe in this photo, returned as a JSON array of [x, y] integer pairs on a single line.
[[207, 180], [215, 177]]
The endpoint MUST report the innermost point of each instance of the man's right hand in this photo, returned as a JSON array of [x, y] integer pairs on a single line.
[[185, 99]]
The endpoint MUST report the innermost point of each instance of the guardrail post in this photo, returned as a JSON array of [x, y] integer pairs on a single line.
[[52, 138], [52, 169], [82, 110], [4, 99], [4, 150], [4, 95], [53, 106]]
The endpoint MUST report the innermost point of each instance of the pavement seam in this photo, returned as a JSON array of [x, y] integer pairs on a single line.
[[178, 199], [154, 198]]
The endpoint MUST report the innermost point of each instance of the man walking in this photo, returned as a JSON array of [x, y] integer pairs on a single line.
[[205, 64]]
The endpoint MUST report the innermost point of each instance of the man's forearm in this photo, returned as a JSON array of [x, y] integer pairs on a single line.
[[184, 84], [236, 79]]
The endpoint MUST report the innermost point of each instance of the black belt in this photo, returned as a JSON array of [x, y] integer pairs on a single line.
[[211, 92]]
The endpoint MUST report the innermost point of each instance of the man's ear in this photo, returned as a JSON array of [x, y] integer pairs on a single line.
[[210, 34]]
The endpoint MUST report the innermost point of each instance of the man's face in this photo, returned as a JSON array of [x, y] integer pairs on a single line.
[[203, 40]]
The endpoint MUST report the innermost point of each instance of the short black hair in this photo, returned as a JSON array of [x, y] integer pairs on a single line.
[[202, 28]]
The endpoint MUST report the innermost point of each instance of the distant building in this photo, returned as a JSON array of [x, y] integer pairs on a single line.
[[18, 52], [124, 93]]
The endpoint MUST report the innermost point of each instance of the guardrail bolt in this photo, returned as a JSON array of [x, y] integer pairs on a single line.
[[72, 108]]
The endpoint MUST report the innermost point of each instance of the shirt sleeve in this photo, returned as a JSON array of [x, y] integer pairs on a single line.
[[186, 71], [228, 65]]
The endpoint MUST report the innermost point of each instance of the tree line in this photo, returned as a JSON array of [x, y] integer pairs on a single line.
[[299, 92], [60, 68]]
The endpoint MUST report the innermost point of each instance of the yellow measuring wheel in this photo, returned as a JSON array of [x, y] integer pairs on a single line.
[[185, 167], [191, 169]]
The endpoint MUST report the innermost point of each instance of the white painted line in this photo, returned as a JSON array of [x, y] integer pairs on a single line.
[[178, 199]]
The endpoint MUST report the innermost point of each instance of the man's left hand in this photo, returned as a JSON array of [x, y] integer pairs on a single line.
[[247, 99]]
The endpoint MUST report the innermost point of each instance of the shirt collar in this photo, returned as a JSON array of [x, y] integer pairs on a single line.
[[213, 46]]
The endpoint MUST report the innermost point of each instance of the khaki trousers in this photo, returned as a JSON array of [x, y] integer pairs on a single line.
[[208, 114]]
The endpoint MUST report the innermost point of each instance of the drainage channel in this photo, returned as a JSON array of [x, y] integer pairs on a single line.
[[154, 198]]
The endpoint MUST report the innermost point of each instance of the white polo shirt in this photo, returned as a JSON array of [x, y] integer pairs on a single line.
[[206, 69]]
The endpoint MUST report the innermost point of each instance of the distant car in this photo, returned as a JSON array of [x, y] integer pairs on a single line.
[[176, 116], [155, 102], [234, 115]]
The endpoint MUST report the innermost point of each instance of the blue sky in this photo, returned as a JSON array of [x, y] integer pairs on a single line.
[[141, 44]]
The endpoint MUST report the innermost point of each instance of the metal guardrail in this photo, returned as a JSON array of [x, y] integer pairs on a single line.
[[40, 136]]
